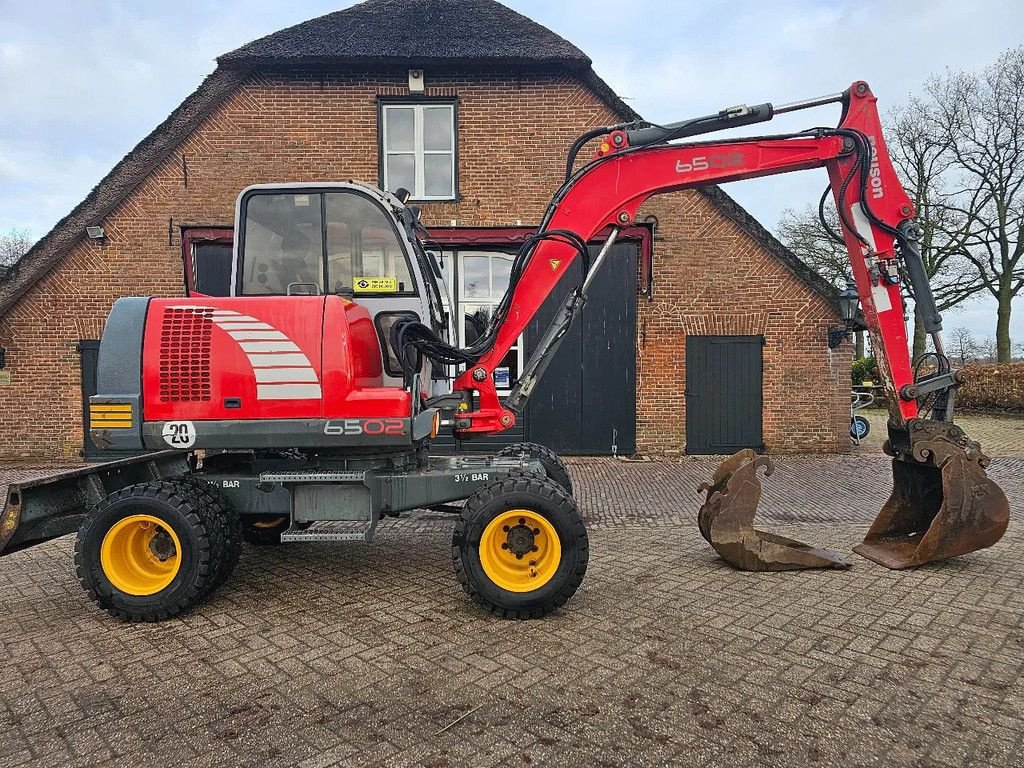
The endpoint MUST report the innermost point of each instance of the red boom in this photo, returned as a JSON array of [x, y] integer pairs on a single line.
[[611, 192]]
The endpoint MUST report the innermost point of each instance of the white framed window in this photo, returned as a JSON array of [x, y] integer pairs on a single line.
[[482, 279], [418, 144]]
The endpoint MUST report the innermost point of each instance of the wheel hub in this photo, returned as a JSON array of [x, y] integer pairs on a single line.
[[520, 550], [162, 546], [140, 555], [520, 539]]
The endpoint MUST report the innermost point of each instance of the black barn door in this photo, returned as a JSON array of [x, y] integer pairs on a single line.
[[586, 402], [723, 393]]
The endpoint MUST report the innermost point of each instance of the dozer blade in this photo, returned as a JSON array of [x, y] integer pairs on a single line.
[[942, 503], [726, 520]]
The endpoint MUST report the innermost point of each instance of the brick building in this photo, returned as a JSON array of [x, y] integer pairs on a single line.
[[472, 107]]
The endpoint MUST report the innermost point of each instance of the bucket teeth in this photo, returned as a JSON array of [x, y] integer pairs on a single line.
[[726, 520], [942, 503]]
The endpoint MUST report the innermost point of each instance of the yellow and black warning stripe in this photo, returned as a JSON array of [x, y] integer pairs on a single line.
[[110, 416]]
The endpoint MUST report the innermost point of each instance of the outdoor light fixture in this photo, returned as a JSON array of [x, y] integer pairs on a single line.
[[848, 302], [3, 358], [95, 233]]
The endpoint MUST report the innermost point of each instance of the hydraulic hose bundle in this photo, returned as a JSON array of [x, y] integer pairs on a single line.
[[411, 339]]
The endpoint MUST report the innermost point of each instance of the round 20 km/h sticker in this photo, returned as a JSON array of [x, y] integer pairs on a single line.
[[179, 434]]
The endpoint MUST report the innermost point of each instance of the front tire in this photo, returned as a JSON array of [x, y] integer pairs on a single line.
[[553, 465], [520, 548], [152, 550]]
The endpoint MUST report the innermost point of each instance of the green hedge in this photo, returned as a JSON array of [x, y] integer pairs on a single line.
[[864, 369]]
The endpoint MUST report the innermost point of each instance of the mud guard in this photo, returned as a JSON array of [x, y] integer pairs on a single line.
[[726, 521]]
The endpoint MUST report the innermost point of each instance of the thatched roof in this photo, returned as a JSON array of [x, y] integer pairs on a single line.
[[413, 33]]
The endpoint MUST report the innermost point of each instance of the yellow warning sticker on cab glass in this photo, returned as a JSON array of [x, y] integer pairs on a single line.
[[375, 284]]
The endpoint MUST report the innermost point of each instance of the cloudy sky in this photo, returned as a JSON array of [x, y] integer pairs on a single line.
[[82, 82]]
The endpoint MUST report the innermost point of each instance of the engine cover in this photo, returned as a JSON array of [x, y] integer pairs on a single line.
[[275, 357]]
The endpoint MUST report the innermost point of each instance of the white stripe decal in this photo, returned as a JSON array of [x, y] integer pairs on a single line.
[[233, 326], [270, 346], [285, 375], [880, 295], [257, 335], [287, 391], [234, 318], [274, 361], [281, 369]]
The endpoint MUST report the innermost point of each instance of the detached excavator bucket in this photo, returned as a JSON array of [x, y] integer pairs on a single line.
[[942, 503], [726, 520]]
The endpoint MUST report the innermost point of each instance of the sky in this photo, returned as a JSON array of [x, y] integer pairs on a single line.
[[82, 82]]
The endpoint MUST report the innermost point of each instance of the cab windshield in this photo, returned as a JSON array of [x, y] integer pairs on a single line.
[[316, 242]]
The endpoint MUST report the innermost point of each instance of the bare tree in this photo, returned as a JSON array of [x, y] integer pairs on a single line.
[[13, 245], [803, 234], [988, 350], [1018, 351], [963, 345], [920, 154], [981, 119]]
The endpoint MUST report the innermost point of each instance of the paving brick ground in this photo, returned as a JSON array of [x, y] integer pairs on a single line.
[[320, 655]]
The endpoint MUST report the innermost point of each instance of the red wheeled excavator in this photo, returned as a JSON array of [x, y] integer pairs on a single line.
[[303, 407]]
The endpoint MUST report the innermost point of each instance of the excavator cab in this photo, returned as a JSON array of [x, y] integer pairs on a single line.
[[346, 239]]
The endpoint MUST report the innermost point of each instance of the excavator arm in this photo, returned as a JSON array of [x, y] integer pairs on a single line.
[[942, 503], [634, 164]]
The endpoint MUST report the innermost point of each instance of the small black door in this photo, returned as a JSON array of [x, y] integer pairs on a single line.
[[89, 350], [723, 393]]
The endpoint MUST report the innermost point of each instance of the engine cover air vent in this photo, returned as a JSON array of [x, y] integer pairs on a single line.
[[185, 342]]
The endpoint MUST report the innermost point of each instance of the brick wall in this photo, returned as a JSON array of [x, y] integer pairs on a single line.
[[513, 134], [711, 278]]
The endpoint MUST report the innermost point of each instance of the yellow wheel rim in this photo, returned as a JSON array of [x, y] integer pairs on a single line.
[[520, 550], [140, 555]]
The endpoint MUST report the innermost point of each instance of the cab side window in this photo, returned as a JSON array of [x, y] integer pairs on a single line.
[[316, 242], [283, 248], [364, 254]]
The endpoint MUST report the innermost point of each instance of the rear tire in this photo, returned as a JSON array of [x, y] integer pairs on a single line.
[[232, 527], [520, 548], [551, 461], [152, 550]]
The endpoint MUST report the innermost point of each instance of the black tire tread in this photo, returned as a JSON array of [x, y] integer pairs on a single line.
[[204, 513], [556, 495], [224, 516], [553, 464]]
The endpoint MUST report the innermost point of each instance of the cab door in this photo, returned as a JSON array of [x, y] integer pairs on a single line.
[[342, 239]]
